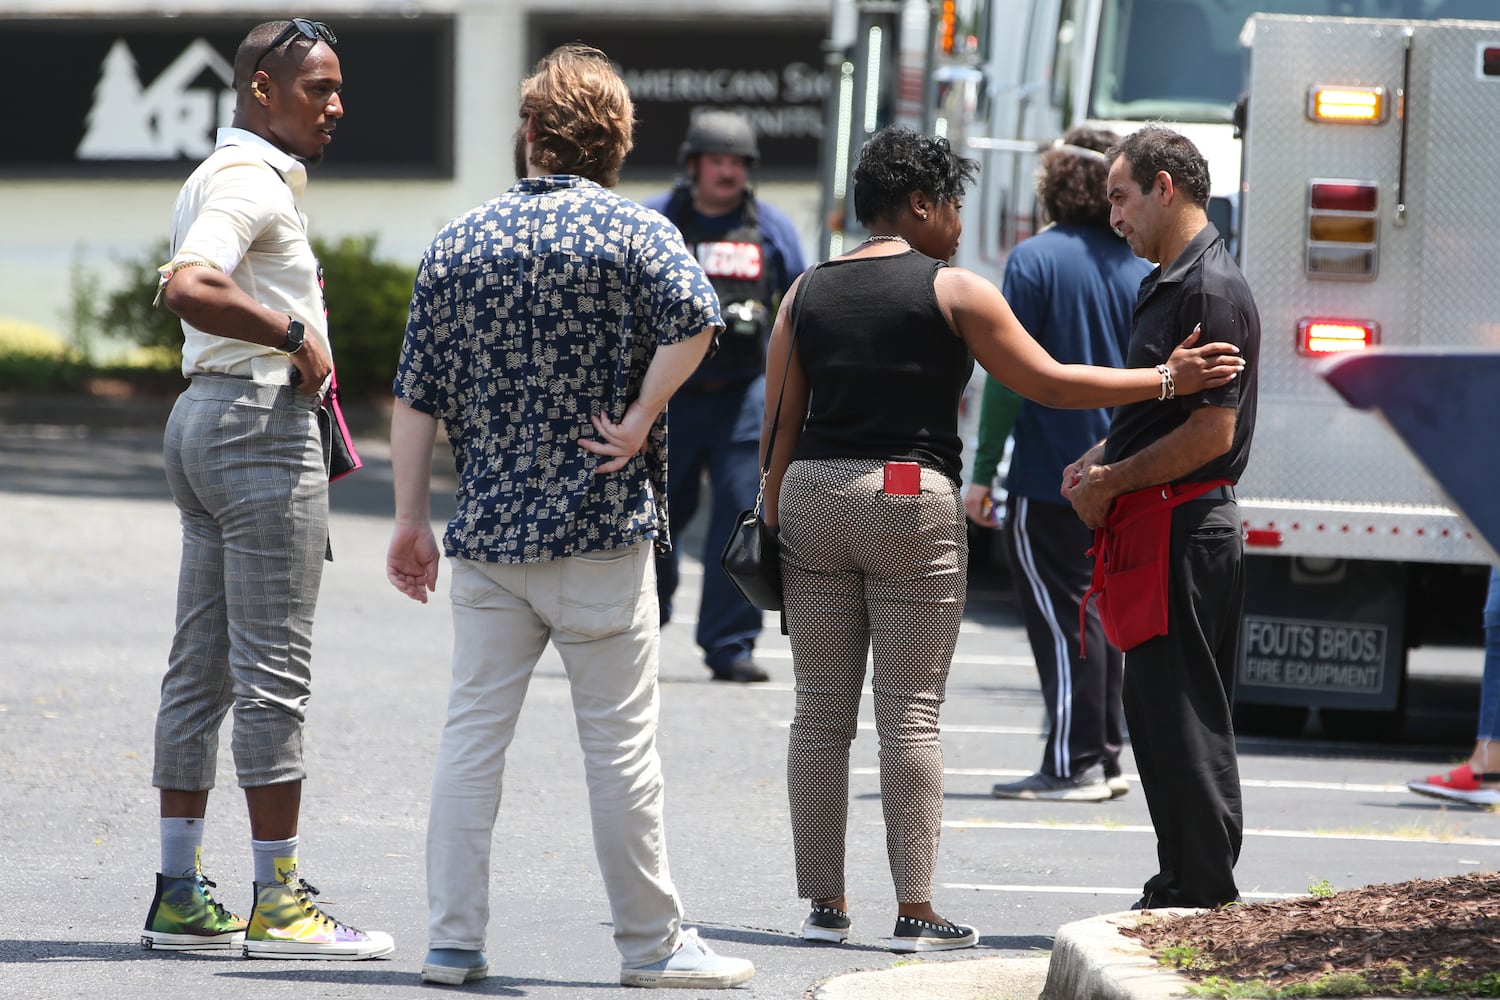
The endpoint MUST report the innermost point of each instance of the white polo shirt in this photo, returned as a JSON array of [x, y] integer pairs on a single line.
[[238, 213]]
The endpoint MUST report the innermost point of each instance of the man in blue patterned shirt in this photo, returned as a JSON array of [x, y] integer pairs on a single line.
[[548, 329]]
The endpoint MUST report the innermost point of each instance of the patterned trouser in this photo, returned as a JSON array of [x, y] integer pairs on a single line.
[[865, 572], [245, 463]]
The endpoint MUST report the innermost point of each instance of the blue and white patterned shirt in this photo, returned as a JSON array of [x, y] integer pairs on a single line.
[[531, 313]]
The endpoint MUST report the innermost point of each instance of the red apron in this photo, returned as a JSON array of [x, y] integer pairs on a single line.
[[1132, 556]]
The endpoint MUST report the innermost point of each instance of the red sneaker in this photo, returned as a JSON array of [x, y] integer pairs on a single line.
[[1460, 779], [1462, 784]]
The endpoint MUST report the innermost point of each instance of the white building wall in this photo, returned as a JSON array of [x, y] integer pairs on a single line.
[[49, 228]]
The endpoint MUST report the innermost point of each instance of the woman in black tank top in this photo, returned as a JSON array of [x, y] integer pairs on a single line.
[[864, 485]]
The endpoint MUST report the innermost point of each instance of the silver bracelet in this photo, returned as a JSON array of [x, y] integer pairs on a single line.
[[1168, 387]]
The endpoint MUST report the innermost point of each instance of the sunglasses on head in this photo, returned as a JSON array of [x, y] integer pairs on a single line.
[[300, 26]]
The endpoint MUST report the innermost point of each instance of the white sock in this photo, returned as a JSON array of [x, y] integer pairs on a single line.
[[275, 860], [181, 845]]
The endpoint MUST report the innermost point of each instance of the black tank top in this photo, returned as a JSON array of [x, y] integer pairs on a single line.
[[885, 370]]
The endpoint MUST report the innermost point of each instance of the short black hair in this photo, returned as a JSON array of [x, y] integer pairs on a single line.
[[897, 161], [1155, 148]]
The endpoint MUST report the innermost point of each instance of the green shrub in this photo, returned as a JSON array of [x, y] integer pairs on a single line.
[[34, 357], [128, 312], [368, 300]]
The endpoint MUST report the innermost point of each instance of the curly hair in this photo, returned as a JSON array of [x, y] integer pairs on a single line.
[[897, 161], [1155, 148], [580, 112], [1070, 183]]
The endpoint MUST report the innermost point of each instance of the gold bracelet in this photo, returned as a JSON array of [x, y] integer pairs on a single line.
[[167, 270]]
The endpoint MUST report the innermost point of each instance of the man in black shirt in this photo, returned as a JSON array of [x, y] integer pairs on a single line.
[[1178, 685]]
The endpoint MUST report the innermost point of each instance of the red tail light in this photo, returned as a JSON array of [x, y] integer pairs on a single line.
[[1320, 337], [1349, 196], [1343, 231]]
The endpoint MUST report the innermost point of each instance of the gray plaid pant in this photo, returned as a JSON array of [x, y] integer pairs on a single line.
[[245, 464]]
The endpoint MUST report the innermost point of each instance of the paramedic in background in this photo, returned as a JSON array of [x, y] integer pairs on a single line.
[[1178, 685], [751, 253], [1073, 287]]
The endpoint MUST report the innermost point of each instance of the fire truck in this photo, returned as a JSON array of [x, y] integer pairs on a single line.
[[1349, 145]]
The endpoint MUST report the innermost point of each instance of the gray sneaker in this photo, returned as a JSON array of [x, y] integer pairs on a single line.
[[1090, 786], [1118, 785], [693, 966], [454, 966]]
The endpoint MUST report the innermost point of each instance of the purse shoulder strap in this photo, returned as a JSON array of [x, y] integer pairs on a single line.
[[765, 466]]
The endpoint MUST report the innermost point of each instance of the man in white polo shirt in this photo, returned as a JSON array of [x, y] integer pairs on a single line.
[[244, 459]]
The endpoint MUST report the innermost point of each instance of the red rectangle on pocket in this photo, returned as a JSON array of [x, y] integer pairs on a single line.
[[903, 479]]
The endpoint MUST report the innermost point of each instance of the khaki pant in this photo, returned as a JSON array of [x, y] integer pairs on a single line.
[[599, 610]]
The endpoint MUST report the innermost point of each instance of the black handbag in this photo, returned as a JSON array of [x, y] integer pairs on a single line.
[[752, 561], [752, 556]]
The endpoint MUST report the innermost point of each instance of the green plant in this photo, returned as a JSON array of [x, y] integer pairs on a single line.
[[33, 357], [1321, 889], [1337, 984], [83, 311], [1446, 980], [1184, 956], [128, 312], [368, 300]]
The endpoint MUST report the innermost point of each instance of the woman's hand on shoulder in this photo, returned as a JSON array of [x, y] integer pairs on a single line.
[[1195, 369]]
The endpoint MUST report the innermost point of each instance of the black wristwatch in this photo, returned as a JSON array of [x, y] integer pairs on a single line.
[[294, 336]]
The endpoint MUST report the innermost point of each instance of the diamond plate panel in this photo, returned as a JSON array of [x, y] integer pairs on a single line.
[[1438, 278], [1453, 133]]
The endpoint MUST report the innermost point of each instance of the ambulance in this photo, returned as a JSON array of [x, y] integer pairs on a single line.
[[1351, 145]]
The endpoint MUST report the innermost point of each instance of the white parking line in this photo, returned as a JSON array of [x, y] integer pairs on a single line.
[[1309, 786], [1091, 890], [1389, 838]]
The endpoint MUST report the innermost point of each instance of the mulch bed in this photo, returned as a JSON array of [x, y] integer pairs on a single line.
[[1373, 931]]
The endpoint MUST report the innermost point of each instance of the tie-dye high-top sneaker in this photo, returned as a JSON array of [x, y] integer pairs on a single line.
[[184, 916], [287, 924]]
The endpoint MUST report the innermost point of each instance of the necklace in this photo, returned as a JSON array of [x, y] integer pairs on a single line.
[[887, 239]]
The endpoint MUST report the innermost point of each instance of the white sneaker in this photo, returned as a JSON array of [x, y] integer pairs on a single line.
[[692, 966]]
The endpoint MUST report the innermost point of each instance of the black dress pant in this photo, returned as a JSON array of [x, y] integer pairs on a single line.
[[1178, 709]]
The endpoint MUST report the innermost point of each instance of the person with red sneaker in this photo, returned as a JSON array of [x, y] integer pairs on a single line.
[[1477, 780]]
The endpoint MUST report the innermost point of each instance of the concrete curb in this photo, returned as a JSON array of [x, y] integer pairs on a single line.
[[944, 979], [1092, 960]]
